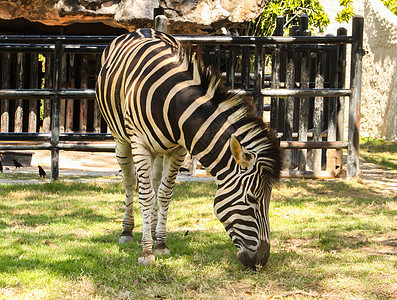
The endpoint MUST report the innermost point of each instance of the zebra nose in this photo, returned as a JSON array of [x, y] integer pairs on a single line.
[[260, 257]]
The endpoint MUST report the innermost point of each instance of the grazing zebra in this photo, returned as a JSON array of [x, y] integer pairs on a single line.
[[159, 104]]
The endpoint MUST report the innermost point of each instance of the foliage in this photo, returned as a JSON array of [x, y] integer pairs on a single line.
[[380, 152], [329, 239], [347, 12], [391, 4], [264, 25]]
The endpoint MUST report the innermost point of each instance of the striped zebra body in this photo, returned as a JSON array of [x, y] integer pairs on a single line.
[[159, 106]]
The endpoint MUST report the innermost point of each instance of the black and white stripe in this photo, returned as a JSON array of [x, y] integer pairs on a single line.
[[158, 105]]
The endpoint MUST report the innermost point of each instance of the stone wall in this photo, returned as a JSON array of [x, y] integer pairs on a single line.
[[185, 16], [379, 81]]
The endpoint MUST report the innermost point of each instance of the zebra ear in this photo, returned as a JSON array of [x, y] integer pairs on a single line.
[[240, 154]]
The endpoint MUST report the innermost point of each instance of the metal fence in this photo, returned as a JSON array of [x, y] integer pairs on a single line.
[[54, 109]]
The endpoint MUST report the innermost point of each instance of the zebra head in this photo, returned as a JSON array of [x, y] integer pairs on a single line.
[[242, 200]]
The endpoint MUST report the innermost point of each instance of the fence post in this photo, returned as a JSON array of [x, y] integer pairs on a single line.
[[275, 82], [160, 21], [303, 122], [5, 84], [55, 111], [341, 77], [258, 98], [353, 153]]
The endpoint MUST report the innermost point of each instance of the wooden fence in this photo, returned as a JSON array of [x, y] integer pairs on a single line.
[[47, 92]]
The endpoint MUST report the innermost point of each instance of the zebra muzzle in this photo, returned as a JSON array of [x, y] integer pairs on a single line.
[[253, 259]]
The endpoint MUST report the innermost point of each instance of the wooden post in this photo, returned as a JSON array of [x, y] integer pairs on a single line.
[[34, 81], [353, 153], [332, 112], [5, 84], [245, 68], [97, 113], [289, 109], [341, 77], [258, 98], [48, 85], [56, 110], [303, 122], [160, 21], [62, 107], [318, 112], [70, 102], [83, 102], [275, 84], [18, 121]]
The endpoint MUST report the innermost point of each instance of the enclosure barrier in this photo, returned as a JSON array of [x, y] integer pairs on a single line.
[[306, 100]]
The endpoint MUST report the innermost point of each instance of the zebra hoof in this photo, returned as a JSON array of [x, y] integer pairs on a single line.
[[147, 258], [162, 249], [125, 239]]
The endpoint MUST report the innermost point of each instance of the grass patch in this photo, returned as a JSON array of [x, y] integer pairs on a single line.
[[332, 239], [380, 152]]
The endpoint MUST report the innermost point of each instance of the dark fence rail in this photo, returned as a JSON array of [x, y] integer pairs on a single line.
[[47, 92]]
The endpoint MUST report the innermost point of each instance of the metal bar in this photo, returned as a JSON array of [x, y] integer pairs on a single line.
[[51, 39], [90, 93], [353, 153], [46, 93], [49, 48], [61, 146], [40, 39], [41, 146], [313, 145], [24, 136], [275, 40], [317, 92]]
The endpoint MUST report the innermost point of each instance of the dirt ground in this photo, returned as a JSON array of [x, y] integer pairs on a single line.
[[74, 163]]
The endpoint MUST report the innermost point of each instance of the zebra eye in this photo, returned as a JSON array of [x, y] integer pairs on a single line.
[[251, 199]]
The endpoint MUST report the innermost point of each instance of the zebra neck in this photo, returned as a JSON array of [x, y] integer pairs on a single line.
[[215, 153]]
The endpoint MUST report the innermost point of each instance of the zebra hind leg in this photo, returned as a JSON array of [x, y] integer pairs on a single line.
[[171, 165], [156, 179], [143, 160], [124, 159]]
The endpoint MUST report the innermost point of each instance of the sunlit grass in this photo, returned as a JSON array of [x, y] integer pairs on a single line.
[[380, 152], [330, 239]]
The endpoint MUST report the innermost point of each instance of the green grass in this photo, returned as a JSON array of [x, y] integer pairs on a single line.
[[330, 239], [380, 152]]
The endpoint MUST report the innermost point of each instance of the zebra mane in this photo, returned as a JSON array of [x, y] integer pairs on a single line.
[[259, 138]]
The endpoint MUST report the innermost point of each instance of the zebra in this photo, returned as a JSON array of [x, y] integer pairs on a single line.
[[160, 103]]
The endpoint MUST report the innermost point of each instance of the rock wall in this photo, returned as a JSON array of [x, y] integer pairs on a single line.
[[185, 16], [379, 81]]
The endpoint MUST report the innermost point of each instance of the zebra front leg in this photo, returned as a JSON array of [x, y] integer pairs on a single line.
[[124, 159], [172, 163]]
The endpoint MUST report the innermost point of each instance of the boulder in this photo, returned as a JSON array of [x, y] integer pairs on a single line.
[[185, 16]]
